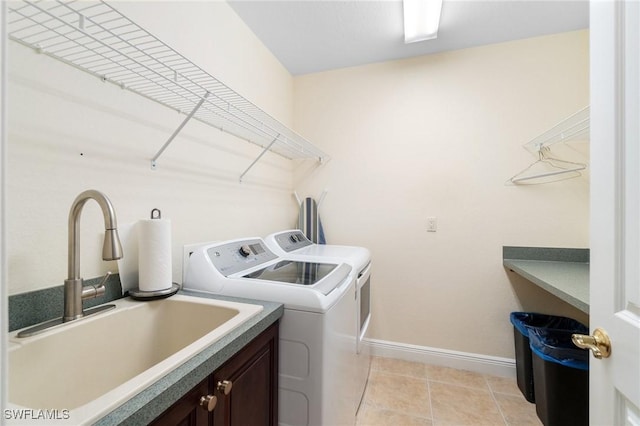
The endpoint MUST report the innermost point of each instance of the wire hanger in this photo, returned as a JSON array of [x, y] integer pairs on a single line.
[[551, 168]]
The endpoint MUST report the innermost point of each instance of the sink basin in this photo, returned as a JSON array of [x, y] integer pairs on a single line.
[[91, 366]]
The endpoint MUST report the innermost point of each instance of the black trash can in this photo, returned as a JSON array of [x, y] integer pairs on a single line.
[[561, 377], [522, 322]]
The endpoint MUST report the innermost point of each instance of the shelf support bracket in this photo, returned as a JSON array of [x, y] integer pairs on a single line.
[[172, 137], [259, 156]]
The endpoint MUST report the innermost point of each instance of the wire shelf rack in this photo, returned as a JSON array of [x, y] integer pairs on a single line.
[[96, 38], [573, 128]]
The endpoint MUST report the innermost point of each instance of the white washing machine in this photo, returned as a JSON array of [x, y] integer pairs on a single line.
[[294, 244], [316, 346]]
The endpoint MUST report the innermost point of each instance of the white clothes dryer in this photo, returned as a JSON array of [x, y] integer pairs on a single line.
[[294, 244], [317, 362]]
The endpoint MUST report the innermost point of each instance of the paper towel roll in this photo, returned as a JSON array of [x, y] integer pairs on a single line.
[[154, 254]]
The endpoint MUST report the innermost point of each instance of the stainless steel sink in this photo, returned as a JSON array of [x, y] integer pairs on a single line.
[[92, 366]]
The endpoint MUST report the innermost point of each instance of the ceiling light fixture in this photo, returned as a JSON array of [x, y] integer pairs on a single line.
[[421, 19]]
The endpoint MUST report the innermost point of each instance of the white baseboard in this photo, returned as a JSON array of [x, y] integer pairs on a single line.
[[484, 364]]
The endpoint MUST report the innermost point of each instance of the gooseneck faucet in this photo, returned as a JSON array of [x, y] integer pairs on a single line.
[[74, 290]]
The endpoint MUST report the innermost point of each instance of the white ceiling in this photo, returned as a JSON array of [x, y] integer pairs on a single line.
[[309, 35]]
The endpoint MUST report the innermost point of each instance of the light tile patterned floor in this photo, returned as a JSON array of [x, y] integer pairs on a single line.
[[410, 393]]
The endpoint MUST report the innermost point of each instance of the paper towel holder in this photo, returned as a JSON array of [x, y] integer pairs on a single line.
[[137, 294]]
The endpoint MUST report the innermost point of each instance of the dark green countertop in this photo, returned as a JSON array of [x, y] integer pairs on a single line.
[[562, 272]]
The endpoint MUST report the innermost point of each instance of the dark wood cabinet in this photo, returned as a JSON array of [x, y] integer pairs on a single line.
[[253, 377], [187, 411], [245, 389]]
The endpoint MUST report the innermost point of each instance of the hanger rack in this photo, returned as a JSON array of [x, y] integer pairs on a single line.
[[573, 128], [96, 38]]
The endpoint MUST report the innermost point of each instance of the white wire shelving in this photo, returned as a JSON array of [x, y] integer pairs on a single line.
[[573, 128], [94, 37]]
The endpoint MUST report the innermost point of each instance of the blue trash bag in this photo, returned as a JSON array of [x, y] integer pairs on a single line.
[[523, 321], [556, 346]]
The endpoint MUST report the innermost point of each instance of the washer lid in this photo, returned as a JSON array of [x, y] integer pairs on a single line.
[[303, 273], [294, 272]]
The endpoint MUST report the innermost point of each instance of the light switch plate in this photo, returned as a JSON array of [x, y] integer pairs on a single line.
[[432, 224]]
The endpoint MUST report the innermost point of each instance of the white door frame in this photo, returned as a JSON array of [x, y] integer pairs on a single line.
[[4, 316]]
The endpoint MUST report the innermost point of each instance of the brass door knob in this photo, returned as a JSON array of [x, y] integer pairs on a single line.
[[225, 386], [208, 402], [599, 344]]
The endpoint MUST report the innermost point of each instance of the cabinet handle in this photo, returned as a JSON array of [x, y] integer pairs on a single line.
[[208, 402], [225, 386]]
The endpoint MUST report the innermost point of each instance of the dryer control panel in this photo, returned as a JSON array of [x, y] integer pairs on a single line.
[[291, 241], [241, 255]]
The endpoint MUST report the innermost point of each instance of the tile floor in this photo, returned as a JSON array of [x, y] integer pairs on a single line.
[[410, 393]]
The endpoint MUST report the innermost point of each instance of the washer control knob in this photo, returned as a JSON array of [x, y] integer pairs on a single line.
[[245, 251], [294, 238]]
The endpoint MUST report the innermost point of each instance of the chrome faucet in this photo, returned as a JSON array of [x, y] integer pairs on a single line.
[[74, 290]]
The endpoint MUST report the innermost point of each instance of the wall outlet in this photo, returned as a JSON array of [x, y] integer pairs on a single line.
[[432, 224]]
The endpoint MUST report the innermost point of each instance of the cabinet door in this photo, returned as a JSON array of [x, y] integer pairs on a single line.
[[187, 411], [252, 376]]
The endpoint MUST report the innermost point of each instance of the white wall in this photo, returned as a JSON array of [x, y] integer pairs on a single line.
[[431, 136], [438, 136], [69, 132]]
